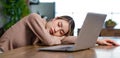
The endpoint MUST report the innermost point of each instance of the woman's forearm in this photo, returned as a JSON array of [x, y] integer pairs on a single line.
[[69, 39]]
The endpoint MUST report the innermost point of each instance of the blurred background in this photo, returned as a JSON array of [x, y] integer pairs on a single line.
[[12, 11]]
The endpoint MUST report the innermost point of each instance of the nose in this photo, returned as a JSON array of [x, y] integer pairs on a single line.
[[57, 29]]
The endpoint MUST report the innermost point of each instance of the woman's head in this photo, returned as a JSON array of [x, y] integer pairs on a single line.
[[61, 26]]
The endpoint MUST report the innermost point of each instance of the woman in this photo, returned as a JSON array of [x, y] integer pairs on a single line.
[[32, 29]]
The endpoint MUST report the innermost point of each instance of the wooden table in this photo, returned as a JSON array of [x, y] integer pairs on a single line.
[[95, 52]]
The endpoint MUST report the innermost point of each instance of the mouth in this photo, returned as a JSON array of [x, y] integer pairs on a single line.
[[51, 31]]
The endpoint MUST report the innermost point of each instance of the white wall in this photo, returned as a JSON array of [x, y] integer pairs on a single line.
[[78, 9]]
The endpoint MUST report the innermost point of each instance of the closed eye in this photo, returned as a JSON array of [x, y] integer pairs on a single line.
[[60, 24], [62, 32]]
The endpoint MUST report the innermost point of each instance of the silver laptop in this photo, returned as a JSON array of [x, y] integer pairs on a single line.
[[87, 37]]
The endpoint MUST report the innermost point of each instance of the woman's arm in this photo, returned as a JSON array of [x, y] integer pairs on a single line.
[[105, 41], [108, 42], [69, 40]]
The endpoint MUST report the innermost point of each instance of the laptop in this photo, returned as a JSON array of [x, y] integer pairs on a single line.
[[87, 36]]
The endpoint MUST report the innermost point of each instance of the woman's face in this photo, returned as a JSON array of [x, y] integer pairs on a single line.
[[57, 27]]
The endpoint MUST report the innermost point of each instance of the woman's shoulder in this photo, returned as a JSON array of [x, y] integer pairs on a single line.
[[34, 14]]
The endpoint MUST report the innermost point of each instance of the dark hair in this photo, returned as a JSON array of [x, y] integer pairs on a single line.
[[71, 24]]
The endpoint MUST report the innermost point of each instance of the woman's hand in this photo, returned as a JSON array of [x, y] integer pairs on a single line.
[[108, 42]]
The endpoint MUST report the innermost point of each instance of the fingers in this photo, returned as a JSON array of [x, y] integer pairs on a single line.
[[108, 42], [115, 43], [111, 42]]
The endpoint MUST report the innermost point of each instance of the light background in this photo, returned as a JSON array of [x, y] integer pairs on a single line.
[[78, 9]]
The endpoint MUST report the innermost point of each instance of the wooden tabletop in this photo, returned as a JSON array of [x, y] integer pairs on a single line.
[[95, 52]]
